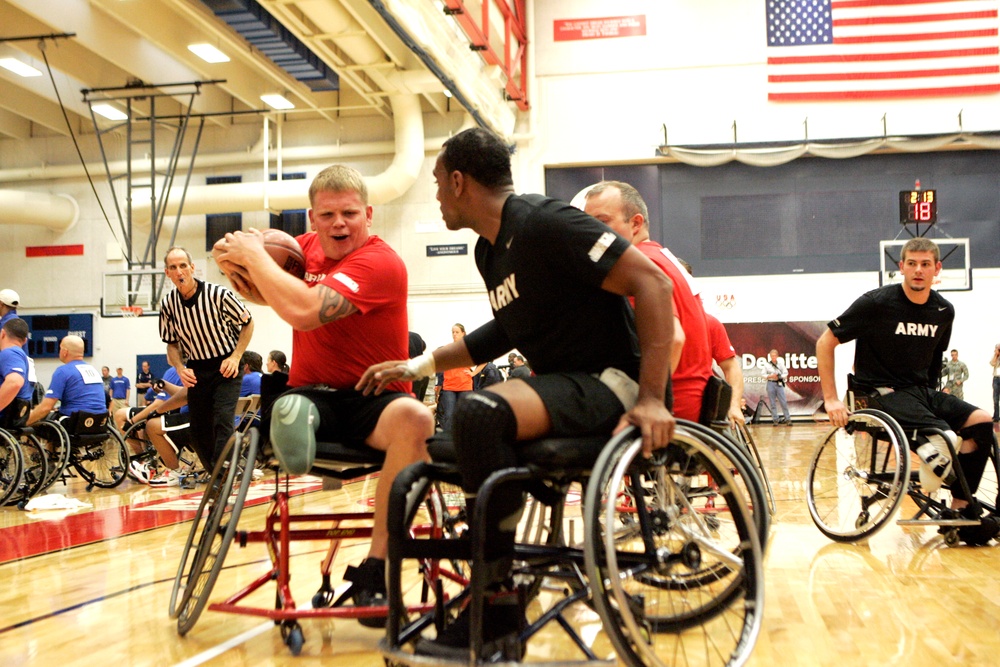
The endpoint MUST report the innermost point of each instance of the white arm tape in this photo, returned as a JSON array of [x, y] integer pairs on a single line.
[[422, 366]]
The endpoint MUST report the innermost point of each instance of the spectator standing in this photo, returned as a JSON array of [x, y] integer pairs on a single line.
[[518, 369], [777, 376], [209, 326], [995, 364], [143, 383], [454, 382], [120, 388], [9, 301], [955, 375], [106, 379]]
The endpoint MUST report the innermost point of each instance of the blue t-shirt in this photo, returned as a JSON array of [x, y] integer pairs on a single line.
[[250, 384], [77, 386], [119, 387], [14, 360]]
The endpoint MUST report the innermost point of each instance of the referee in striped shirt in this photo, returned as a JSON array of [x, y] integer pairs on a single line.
[[207, 326]]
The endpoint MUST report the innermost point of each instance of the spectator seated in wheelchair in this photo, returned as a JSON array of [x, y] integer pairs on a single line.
[[76, 385], [15, 390], [901, 333]]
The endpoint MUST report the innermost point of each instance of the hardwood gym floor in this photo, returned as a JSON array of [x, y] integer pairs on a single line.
[[91, 587]]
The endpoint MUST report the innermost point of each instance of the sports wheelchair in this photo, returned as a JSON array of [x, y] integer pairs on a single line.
[[24, 465], [669, 567], [860, 474], [215, 527]]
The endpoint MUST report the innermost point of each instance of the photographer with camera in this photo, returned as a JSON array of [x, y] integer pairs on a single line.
[[777, 375]]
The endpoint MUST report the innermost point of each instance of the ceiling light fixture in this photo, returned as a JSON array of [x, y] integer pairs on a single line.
[[277, 102], [17, 67], [109, 112], [208, 53]]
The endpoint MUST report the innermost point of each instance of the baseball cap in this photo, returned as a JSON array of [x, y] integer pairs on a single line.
[[9, 297]]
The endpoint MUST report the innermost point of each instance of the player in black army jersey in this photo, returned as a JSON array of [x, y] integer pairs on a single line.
[[902, 331], [557, 281]]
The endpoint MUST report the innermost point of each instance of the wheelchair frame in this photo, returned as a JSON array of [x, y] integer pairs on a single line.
[[886, 482], [633, 635]]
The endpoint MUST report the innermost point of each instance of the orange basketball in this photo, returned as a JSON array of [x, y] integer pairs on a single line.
[[285, 250]]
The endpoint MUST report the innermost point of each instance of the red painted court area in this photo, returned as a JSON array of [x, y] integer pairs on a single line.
[[48, 535]]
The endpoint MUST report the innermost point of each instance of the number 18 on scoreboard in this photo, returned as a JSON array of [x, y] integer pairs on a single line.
[[917, 207]]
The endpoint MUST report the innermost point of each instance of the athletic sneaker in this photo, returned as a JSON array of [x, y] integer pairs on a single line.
[[502, 623], [368, 589], [140, 471], [166, 478]]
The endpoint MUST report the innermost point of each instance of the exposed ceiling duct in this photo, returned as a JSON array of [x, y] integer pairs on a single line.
[[57, 212]]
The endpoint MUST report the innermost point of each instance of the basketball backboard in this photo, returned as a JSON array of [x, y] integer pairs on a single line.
[[956, 269], [140, 287]]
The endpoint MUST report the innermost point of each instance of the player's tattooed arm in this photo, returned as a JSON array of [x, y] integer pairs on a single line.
[[333, 305]]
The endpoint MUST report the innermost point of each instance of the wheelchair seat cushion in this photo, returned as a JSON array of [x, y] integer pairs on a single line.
[[335, 452], [555, 454]]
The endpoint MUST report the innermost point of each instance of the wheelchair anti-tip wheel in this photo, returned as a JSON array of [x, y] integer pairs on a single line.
[[220, 508], [858, 477], [670, 586]]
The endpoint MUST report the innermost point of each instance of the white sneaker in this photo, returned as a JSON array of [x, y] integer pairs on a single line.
[[140, 471], [166, 478]]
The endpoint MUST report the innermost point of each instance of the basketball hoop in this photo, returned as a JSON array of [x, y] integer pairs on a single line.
[[131, 311]]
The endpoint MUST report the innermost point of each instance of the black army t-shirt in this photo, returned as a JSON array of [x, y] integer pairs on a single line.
[[899, 343], [544, 276]]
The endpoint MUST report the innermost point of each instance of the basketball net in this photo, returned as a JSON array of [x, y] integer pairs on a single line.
[[131, 311]]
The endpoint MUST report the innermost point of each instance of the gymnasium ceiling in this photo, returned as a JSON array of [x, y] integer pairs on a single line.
[[123, 50]]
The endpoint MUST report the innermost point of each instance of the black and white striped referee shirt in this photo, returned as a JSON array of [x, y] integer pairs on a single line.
[[207, 325]]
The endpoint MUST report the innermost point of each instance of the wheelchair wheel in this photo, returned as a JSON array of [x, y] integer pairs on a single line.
[[11, 466], [222, 515], [736, 459], [102, 463], [988, 492], [56, 444], [671, 581], [741, 434], [858, 477], [34, 470]]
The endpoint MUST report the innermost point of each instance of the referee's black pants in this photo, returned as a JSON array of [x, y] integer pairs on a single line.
[[212, 405]]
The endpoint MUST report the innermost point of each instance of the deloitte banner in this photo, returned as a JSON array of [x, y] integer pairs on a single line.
[[796, 346]]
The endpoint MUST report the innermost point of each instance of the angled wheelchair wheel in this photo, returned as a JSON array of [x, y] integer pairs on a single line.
[[102, 463], [858, 477], [988, 492], [748, 480], [11, 466], [742, 436], [56, 444], [673, 581], [34, 470], [228, 490]]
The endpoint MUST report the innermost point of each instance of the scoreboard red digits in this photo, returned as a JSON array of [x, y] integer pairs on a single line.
[[917, 207]]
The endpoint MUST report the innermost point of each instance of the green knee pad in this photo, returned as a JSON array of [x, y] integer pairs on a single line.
[[294, 420]]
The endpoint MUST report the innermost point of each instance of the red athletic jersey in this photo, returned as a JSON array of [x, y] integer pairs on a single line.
[[695, 366], [722, 347], [373, 279]]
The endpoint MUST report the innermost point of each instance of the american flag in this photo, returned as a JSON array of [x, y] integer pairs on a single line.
[[829, 50]]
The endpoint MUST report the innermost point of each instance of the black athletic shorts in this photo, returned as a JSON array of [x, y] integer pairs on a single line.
[[578, 403], [176, 429], [922, 407], [347, 416]]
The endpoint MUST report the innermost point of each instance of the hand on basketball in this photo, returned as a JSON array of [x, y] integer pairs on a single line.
[[836, 411], [654, 422]]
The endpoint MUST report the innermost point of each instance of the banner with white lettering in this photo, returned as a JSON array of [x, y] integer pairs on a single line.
[[796, 346]]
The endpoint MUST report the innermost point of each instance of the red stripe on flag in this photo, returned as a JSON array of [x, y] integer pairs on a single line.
[[875, 57], [923, 18], [53, 250], [871, 76], [916, 37], [845, 96], [848, 4]]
